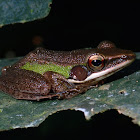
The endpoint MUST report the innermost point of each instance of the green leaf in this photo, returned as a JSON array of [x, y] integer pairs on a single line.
[[21, 11], [121, 94]]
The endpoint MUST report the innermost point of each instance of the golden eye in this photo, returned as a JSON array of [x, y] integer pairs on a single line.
[[96, 62]]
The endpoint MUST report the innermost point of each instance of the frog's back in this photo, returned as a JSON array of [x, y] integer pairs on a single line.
[[64, 57]]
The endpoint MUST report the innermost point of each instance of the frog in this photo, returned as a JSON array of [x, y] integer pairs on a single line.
[[49, 74]]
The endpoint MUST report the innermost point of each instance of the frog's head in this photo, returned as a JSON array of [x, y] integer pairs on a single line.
[[101, 62]]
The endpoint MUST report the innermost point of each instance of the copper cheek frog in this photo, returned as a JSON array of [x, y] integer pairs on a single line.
[[62, 74]]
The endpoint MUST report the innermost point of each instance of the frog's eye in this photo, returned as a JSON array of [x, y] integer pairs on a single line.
[[96, 62]]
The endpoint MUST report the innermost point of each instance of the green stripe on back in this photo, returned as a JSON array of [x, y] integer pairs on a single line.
[[42, 68]]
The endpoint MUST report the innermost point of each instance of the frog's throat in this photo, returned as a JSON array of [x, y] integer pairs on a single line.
[[98, 76]]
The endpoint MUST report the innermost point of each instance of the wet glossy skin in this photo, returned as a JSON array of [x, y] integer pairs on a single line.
[[87, 68]]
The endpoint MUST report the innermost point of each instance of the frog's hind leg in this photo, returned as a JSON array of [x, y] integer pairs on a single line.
[[24, 84], [24, 96]]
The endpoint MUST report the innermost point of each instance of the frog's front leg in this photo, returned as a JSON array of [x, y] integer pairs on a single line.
[[58, 82], [62, 88], [67, 94]]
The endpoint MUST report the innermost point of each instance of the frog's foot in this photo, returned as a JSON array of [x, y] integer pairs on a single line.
[[65, 95], [69, 93], [25, 96]]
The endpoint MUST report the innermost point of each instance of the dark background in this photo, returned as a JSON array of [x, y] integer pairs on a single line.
[[71, 125], [74, 24]]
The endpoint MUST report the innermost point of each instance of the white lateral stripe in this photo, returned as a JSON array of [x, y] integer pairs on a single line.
[[101, 74]]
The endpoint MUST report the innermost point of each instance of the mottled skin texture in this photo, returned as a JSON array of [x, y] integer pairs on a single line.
[[29, 85]]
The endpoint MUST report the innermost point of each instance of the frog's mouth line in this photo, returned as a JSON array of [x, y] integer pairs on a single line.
[[103, 74]]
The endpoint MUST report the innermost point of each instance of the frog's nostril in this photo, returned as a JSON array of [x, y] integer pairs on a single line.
[[132, 56]]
